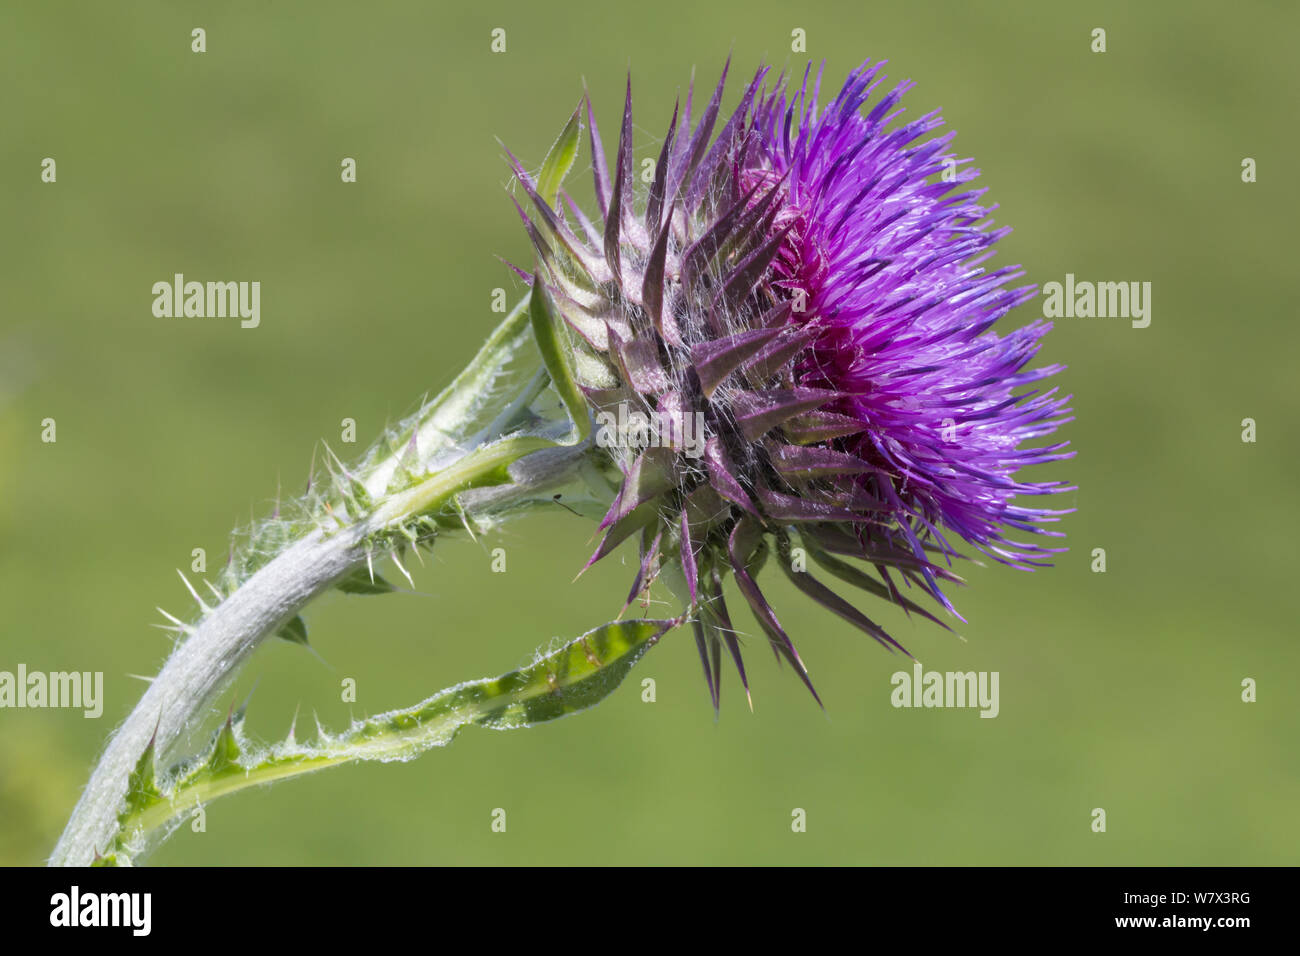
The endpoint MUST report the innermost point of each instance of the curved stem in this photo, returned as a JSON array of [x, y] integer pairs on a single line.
[[197, 672], [519, 468], [202, 666]]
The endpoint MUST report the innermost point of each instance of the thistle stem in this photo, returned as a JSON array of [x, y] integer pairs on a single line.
[[197, 671], [520, 469]]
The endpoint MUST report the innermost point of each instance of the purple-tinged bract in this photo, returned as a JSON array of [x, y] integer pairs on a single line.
[[787, 343]]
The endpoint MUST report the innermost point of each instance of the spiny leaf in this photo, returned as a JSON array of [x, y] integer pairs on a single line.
[[142, 788], [578, 675], [225, 754]]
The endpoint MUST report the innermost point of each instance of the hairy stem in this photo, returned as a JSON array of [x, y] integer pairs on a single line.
[[463, 463], [197, 671]]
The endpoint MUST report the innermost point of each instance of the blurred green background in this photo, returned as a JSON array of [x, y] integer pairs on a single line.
[[1118, 690]]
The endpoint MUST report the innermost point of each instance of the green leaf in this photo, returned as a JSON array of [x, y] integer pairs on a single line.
[[559, 159], [579, 675], [360, 582], [295, 630]]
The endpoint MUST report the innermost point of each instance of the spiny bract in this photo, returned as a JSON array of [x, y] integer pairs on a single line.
[[802, 293]]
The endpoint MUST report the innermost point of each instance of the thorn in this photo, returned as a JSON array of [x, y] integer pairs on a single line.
[[173, 633], [193, 593], [464, 520], [147, 680], [293, 724], [244, 706], [405, 574], [311, 470], [179, 625], [215, 593], [338, 462], [370, 565]]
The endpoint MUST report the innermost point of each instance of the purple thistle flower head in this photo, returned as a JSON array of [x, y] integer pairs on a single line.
[[788, 345]]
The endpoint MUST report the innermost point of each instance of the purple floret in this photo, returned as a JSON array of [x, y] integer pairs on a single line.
[[889, 253]]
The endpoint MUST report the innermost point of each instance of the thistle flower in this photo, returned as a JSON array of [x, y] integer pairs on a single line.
[[807, 287], [787, 342]]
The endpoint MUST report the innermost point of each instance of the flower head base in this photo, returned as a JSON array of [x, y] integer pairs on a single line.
[[806, 286]]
